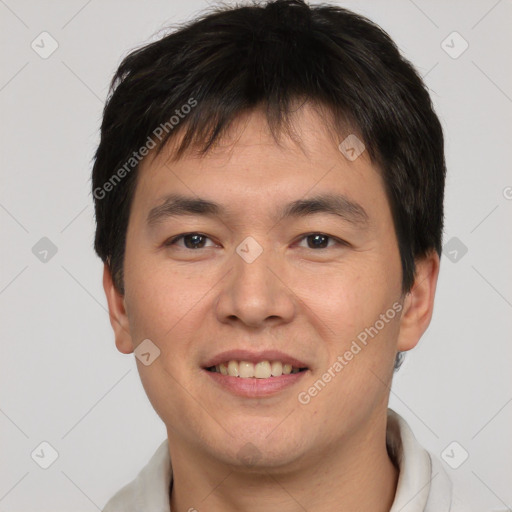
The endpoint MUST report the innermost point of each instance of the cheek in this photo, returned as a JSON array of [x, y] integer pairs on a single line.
[[346, 306], [168, 308], [157, 296], [348, 297], [166, 311]]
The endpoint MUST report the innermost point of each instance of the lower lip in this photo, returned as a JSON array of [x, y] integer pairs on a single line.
[[256, 388]]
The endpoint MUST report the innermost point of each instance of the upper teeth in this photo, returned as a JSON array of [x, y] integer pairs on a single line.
[[261, 370]]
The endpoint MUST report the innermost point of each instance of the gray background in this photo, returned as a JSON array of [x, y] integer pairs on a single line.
[[61, 378]]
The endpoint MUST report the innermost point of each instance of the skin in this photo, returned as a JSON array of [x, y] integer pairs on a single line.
[[311, 303]]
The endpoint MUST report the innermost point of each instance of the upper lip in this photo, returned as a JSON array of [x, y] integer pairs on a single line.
[[254, 357]]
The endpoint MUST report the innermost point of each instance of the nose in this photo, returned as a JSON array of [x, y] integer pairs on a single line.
[[255, 293]]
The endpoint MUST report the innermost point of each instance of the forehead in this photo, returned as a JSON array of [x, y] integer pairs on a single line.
[[247, 165]]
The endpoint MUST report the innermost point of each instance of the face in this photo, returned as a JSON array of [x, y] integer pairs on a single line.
[[295, 263]]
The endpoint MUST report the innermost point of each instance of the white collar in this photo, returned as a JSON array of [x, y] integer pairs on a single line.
[[423, 485]]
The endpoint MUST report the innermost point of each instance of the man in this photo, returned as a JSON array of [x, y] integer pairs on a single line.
[[269, 201]]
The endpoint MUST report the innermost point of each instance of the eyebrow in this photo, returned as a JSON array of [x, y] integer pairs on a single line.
[[175, 205]]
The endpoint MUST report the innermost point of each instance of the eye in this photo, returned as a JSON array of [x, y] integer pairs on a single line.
[[321, 241], [190, 240], [198, 241]]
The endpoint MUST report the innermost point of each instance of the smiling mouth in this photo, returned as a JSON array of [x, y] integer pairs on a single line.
[[260, 370]]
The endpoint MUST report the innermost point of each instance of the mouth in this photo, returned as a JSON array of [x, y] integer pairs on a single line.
[[260, 370], [255, 375]]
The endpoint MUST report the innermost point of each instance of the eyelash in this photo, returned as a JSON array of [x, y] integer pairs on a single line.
[[173, 240]]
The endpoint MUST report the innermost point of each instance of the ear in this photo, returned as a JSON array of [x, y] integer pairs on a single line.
[[117, 313], [419, 302]]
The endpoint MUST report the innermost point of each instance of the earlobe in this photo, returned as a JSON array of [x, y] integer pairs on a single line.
[[117, 313], [419, 302]]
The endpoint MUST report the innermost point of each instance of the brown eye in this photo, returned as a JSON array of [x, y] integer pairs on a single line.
[[190, 240], [318, 241], [194, 241], [321, 241]]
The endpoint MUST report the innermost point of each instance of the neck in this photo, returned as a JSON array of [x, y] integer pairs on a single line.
[[357, 474]]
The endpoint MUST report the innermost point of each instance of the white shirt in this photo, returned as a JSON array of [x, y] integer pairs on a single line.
[[423, 485]]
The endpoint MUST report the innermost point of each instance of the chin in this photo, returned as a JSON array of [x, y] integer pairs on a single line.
[[259, 450]]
